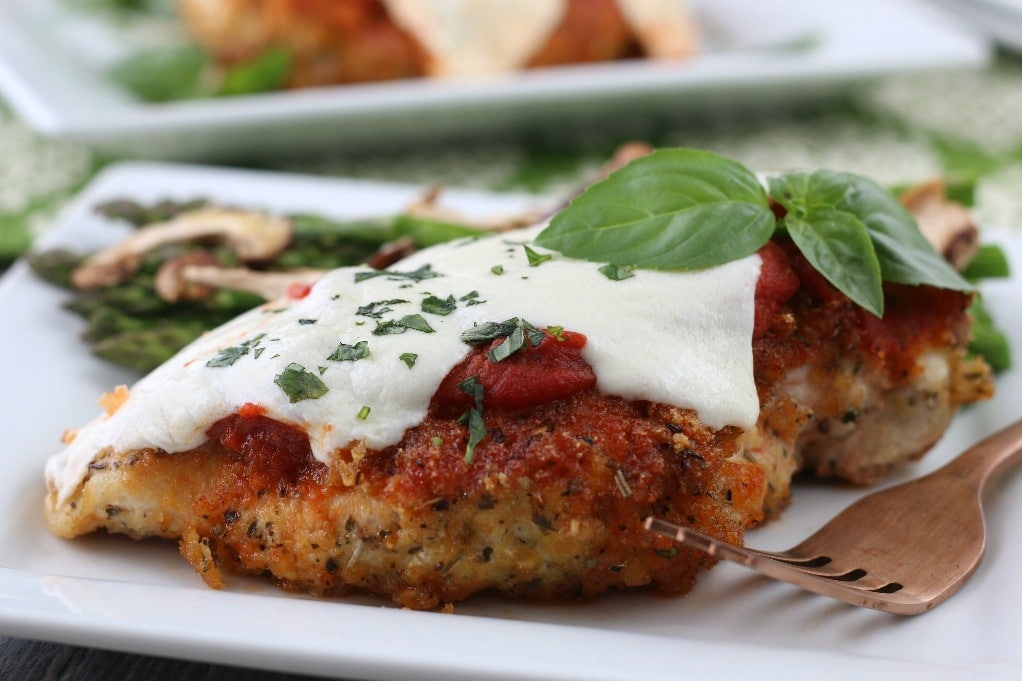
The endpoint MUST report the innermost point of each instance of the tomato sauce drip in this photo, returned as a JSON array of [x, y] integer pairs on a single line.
[[914, 316], [533, 375], [777, 283], [298, 290], [271, 449]]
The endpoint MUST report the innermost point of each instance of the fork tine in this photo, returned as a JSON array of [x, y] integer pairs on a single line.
[[875, 594]]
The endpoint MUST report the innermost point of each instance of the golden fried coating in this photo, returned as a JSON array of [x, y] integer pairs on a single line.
[[551, 503]]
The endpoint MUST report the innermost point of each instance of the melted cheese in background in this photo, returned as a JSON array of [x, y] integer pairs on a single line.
[[473, 38], [469, 37], [682, 338]]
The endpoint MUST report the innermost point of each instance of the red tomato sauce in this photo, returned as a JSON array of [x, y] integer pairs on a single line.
[[270, 449], [533, 375], [777, 283]]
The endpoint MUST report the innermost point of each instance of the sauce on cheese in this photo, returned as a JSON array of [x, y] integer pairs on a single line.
[[361, 355]]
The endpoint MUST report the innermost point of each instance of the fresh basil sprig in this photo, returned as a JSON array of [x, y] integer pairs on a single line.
[[672, 209], [855, 233], [690, 209]]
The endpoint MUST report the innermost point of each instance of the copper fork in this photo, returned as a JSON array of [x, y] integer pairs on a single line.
[[904, 549]]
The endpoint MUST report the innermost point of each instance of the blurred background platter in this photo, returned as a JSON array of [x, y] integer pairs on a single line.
[[55, 60]]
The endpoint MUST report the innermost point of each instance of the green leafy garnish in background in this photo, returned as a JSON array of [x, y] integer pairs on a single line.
[[188, 72], [689, 209], [162, 75], [266, 72]]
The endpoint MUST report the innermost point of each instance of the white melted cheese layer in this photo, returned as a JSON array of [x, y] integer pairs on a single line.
[[681, 338]]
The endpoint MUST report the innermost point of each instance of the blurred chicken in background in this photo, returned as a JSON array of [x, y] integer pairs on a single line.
[[351, 41]]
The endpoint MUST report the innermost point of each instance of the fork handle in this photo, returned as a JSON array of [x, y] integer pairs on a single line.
[[985, 460]]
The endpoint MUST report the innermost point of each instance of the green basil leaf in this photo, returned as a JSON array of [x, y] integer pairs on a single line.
[[904, 254], [484, 333], [439, 306], [416, 322], [838, 246], [299, 384], [350, 353], [672, 209]]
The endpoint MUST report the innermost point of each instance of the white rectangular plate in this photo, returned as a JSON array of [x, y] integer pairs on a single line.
[[52, 65], [140, 596]]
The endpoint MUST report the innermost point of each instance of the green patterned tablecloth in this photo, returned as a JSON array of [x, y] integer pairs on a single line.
[[965, 126]]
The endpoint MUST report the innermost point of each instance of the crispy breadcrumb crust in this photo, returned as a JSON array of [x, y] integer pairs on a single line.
[[551, 505], [551, 510]]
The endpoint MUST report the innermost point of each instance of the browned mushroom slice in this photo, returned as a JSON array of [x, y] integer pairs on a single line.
[[187, 280], [947, 225], [253, 237]]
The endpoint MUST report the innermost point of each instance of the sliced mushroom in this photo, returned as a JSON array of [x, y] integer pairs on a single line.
[[253, 237], [191, 278], [391, 252], [171, 284], [947, 225]]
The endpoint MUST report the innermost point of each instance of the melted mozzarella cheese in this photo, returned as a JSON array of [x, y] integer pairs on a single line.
[[665, 28], [470, 38], [473, 38], [681, 338]]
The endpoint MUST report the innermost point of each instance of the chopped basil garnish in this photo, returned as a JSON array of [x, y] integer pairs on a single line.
[[617, 272], [377, 309], [536, 259], [228, 356], [497, 269], [439, 306], [416, 322], [484, 333], [363, 413], [350, 353], [421, 274], [515, 330], [408, 358], [471, 298], [473, 418], [299, 384], [306, 322]]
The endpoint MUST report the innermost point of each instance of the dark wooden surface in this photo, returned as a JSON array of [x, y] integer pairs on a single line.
[[22, 660]]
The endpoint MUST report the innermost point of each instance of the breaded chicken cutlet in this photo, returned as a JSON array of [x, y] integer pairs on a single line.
[[485, 418]]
